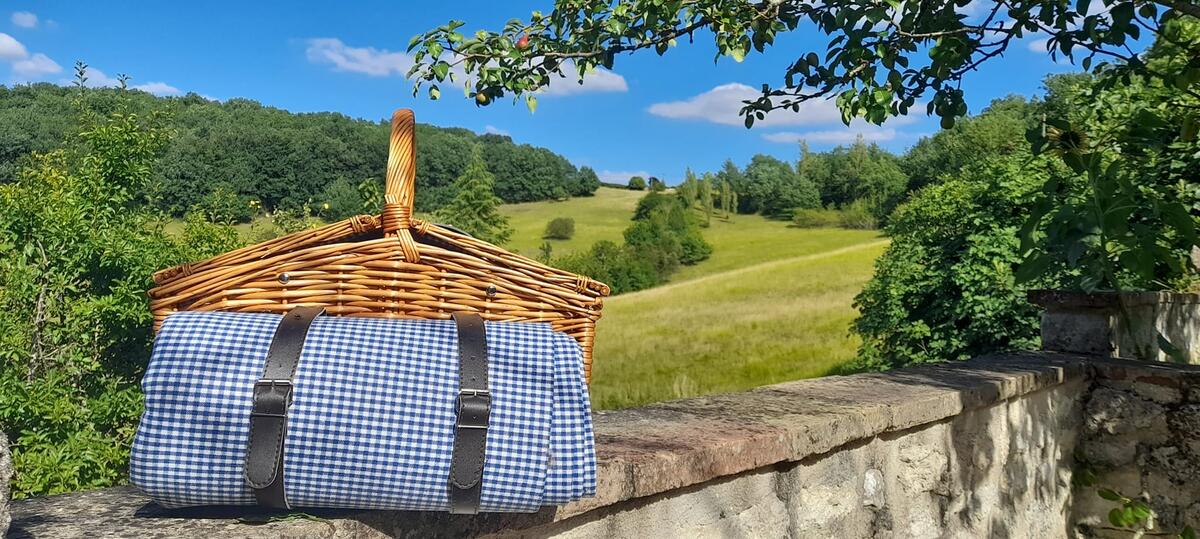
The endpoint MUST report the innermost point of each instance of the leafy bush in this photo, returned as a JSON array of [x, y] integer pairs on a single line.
[[620, 267], [340, 200], [817, 218], [664, 235], [944, 289], [223, 205], [560, 228], [637, 183], [77, 250], [857, 215], [1128, 220]]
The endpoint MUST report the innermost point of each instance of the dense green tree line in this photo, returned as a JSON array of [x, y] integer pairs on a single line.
[[859, 175], [241, 150]]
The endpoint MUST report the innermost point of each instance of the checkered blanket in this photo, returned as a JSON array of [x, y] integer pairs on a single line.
[[372, 421]]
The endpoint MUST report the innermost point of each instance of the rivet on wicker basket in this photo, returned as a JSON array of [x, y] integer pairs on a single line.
[[392, 266]]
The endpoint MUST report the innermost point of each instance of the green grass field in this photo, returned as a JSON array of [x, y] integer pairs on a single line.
[[773, 303], [774, 321], [601, 217]]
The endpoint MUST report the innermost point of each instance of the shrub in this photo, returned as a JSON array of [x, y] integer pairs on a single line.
[[223, 205], [637, 183], [77, 250], [618, 266], [560, 228], [857, 215], [944, 289], [817, 218], [340, 200]]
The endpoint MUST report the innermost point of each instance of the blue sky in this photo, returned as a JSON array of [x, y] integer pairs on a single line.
[[651, 116]]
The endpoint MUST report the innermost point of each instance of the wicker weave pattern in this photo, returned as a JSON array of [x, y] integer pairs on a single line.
[[391, 266]]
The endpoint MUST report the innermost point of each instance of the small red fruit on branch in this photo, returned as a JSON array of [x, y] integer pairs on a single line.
[[523, 43]]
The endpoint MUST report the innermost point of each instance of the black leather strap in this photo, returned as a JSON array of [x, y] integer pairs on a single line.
[[272, 396], [474, 408]]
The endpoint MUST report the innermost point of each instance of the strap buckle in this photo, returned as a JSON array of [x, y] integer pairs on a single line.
[[474, 406], [265, 387]]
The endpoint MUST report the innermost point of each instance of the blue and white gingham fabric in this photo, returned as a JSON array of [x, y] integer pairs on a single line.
[[372, 421]]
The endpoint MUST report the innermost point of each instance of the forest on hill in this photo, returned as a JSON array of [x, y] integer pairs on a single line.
[[238, 151]]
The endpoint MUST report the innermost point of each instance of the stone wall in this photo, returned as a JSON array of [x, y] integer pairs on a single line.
[[980, 448], [985, 448], [1000, 471], [1141, 437], [6, 472], [1122, 324]]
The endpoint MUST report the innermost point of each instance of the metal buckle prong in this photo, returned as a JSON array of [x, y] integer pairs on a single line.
[[272, 383]]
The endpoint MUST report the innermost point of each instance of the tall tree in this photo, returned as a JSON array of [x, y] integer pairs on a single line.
[[475, 208], [706, 197], [730, 174]]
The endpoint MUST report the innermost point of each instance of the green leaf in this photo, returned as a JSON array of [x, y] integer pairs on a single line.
[[1109, 494], [531, 102], [434, 92], [1032, 268], [1116, 517]]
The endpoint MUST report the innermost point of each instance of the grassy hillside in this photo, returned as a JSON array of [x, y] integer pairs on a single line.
[[752, 239], [601, 217], [779, 320]]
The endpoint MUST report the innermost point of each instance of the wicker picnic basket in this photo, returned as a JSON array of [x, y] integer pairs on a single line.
[[391, 265]]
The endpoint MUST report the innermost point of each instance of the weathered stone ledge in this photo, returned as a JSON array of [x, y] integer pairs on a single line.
[[642, 452]]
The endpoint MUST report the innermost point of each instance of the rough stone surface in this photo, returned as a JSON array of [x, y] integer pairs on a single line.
[[6, 471], [1141, 438], [1124, 324], [906, 452], [1000, 471]]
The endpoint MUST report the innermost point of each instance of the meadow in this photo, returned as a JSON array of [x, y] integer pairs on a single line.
[[772, 303], [603, 216]]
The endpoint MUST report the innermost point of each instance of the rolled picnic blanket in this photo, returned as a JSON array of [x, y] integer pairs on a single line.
[[375, 414]]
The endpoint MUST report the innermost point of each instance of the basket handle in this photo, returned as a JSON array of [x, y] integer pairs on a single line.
[[399, 189]]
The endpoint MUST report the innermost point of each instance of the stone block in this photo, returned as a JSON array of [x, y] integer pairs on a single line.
[[6, 473]]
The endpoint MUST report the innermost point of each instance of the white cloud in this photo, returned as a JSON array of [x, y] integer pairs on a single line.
[[620, 176], [384, 63], [98, 79], [1038, 45], [25, 19], [37, 66], [366, 60], [721, 105], [598, 80], [157, 88], [493, 130], [11, 49], [869, 133]]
